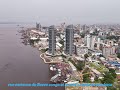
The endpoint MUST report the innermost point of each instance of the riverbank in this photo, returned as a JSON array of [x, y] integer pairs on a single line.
[[46, 61]]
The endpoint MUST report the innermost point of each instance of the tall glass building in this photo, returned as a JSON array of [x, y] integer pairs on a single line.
[[52, 40], [69, 41]]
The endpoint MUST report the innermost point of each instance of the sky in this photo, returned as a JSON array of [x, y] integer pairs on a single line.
[[58, 11]]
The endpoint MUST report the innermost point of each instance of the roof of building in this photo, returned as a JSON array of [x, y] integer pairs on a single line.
[[60, 45], [96, 71]]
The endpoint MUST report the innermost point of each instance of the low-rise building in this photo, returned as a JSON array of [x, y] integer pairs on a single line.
[[81, 50]]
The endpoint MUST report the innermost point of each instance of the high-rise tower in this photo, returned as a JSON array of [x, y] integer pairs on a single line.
[[69, 35], [52, 39]]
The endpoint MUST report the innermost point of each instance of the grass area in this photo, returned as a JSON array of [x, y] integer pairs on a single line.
[[101, 68]]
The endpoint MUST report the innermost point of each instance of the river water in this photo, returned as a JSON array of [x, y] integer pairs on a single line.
[[20, 63]]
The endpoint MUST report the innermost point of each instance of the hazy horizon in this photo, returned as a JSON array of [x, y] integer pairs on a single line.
[[54, 11]]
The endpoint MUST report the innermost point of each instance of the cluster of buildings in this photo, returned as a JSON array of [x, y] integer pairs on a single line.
[[101, 44], [74, 44], [78, 40], [69, 40]]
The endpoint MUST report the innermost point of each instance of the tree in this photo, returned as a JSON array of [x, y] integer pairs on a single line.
[[112, 71], [44, 50], [108, 78], [86, 78], [97, 80], [118, 55], [101, 55], [95, 45], [63, 56], [86, 56], [61, 42], [82, 35], [79, 65]]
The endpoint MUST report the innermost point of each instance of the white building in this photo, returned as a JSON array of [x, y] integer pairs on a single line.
[[81, 50], [87, 40], [98, 42], [90, 41], [108, 50], [93, 39]]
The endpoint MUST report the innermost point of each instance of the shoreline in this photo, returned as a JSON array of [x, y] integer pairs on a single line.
[[51, 62]]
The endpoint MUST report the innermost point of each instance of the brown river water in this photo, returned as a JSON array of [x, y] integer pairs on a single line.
[[20, 63]]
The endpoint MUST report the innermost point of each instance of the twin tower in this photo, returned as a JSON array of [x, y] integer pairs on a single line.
[[69, 40]]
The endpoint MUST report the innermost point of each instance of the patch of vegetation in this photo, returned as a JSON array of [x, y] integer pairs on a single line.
[[61, 42], [112, 71], [97, 80], [44, 50], [63, 56], [109, 78], [86, 78], [86, 56], [118, 55], [95, 45], [101, 55], [79, 65], [89, 54], [101, 68], [82, 35], [32, 41], [112, 88]]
